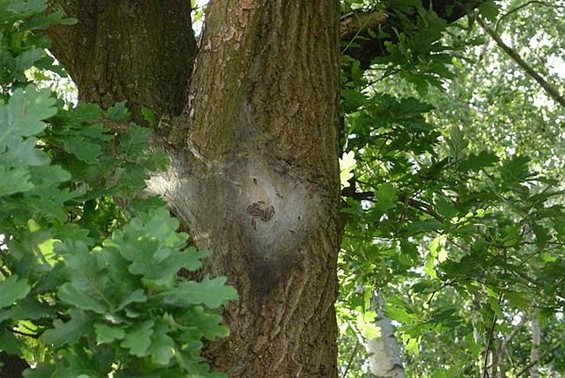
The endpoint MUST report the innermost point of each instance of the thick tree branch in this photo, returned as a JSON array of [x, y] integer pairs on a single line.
[[384, 351], [549, 89], [106, 51], [364, 34]]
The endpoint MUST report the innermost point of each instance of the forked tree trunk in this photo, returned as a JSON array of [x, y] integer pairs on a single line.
[[254, 174]]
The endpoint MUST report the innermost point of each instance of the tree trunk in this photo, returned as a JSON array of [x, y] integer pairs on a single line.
[[384, 351], [262, 191], [536, 343], [139, 51], [254, 175]]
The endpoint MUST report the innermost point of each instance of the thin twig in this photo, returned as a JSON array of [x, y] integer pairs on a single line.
[[521, 6], [490, 338], [504, 344], [350, 362]]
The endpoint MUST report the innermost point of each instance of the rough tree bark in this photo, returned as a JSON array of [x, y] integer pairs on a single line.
[[135, 51]]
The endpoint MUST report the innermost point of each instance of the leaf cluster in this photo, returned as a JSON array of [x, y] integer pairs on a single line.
[[87, 289]]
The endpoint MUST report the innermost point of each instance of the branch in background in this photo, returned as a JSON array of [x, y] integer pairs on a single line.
[[358, 30], [422, 206], [489, 341], [359, 196], [356, 23], [503, 348], [550, 89], [384, 351], [350, 362], [532, 363], [404, 199]]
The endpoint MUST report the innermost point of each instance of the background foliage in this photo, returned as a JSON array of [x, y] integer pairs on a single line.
[[457, 218]]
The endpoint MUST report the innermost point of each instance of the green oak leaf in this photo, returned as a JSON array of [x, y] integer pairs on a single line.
[[138, 339], [211, 292], [13, 289], [69, 332], [106, 333]]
